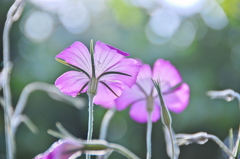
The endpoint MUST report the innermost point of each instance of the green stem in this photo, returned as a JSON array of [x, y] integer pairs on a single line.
[[90, 120], [124, 151], [149, 135], [105, 123], [13, 14], [172, 141], [90, 117], [102, 145], [165, 115], [104, 127]]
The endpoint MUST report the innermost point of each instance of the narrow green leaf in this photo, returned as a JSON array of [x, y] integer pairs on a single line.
[[114, 72], [92, 59], [84, 86], [64, 132], [166, 117], [173, 88], [231, 139], [55, 134], [32, 127], [72, 66], [109, 88]]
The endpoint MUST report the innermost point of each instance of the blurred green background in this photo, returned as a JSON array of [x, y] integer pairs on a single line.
[[200, 37]]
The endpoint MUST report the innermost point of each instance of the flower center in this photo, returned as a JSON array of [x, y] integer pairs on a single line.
[[92, 86], [150, 103]]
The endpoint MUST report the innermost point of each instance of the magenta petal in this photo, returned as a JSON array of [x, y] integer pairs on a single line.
[[138, 112], [167, 73], [145, 72], [128, 66], [78, 55], [129, 96], [104, 96], [105, 57], [62, 149], [178, 100], [144, 78], [71, 82], [113, 48]]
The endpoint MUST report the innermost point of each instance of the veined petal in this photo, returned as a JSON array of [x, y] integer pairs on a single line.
[[138, 112], [62, 149], [145, 72], [139, 91], [128, 66], [71, 82], [105, 56], [144, 78], [129, 96], [178, 100], [167, 73], [77, 55], [107, 92]]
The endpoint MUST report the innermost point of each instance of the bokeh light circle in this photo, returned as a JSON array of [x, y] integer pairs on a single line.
[[38, 26]]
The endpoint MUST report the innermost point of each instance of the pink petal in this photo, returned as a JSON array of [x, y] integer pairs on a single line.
[[128, 66], [104, 96], [134, 94], [78, 55], [138, 112], [178, 100], [62, 149], [144, 78], [167, 73], [106, 56], [145, 72], [71, 82], [128, 97], [113, 48]]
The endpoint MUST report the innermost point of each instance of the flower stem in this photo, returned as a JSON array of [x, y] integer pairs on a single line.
[[149, 134], [172, 141], [90, 117], [13, 14], [105, 123], [122, 150], [90, 120], [104, 127]]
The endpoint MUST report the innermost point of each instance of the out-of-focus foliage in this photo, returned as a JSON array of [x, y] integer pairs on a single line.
[[231, 8], [203, 44]]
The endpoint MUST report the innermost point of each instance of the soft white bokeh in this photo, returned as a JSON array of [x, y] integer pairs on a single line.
[[165, 17], [38, 26], [164, 23], [214, 16], [183, 7], [185, 35], [74, 16]]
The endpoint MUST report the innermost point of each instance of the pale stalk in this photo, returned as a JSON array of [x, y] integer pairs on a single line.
[[90, 120], [122, 150], [149, 135], [105, 123], [12, 15], [104, 128], [92, 90], [165, 115], [172, 141]]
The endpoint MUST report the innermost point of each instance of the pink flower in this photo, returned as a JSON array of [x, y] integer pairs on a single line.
[[62, 149], [106, 79], [143, 96]]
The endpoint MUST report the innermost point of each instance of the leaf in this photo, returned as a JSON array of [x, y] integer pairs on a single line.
[[32, 127]]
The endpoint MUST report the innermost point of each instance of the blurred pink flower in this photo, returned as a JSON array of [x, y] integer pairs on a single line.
[[143, 96], [112, 72], [62, 149]]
